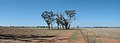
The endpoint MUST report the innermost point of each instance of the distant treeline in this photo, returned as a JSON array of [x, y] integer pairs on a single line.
[[26, 26], [100, 27], [54, 27]]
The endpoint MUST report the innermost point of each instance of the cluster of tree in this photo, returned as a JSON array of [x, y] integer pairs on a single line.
[[60, 19]]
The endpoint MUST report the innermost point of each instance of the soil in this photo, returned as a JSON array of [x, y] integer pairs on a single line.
[[26, 35]]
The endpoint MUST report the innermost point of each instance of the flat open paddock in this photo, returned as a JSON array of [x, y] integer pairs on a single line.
[[37, 35]]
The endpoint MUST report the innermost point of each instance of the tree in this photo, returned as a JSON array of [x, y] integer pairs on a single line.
[[60, 20], [71, 17], [49, 18], [65, 21]]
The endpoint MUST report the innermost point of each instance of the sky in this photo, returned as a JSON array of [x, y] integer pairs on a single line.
[[89, 12]]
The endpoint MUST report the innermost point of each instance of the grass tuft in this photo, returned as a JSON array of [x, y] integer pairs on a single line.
[[73, 36]]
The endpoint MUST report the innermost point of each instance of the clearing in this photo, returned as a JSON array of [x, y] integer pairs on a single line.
[[82, 35]]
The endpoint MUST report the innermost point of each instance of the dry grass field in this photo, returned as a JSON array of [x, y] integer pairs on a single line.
[[82, 35], [106, 35]]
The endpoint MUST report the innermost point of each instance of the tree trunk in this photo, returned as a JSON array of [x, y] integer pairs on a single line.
[[63, 26], [68, 27], [48, 26], [51, 26], [58, 25]]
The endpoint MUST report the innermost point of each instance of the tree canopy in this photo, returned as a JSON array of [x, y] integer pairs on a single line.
[[61, 20]]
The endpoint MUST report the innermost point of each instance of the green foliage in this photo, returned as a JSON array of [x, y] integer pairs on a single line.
[[65, 21], [70, 13], [48, 17]]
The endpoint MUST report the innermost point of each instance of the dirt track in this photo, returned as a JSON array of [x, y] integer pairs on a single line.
[[21, 35], [89, 36], [24, 35]]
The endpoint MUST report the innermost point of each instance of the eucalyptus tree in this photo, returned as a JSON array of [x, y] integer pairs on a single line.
[[60, 20], [70, 17], [48, 18]]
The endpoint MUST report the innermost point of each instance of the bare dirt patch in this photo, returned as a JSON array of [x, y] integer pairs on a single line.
[[21, 35]]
